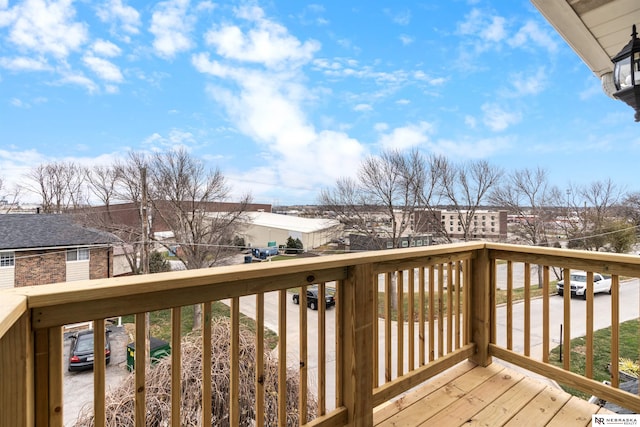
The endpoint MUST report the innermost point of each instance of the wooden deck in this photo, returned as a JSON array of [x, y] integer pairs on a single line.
[[493, 396]]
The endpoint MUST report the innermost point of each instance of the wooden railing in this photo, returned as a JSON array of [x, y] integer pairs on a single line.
[[401, 316], [562, 318]]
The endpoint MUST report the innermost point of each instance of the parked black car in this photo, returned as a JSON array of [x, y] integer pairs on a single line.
[[81, 350], [312, 299]]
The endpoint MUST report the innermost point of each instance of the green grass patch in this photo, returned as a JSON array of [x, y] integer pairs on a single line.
[[416, 306], [517, 294], [601, 353], [160, 322]]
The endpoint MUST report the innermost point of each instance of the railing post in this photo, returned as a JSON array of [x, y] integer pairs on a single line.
[[16, 374], [480, 306], [356, 306]]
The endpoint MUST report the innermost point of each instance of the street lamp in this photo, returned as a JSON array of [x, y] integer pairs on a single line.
[[626, 73]]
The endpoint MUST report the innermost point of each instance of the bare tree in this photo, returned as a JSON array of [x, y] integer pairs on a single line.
[[600, 199], [528, 195], [379, 204], [60, 186], [184, 196], [8, 198], [464, 187]]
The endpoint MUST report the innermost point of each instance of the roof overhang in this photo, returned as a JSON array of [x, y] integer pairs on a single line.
[[595, 29]]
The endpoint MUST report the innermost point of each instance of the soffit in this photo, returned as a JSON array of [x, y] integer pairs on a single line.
[[595, 29]]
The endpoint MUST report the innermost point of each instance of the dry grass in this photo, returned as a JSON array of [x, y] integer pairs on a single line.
[[120, 402]]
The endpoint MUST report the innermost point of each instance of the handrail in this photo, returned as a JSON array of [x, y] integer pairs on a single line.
[[12, 307]]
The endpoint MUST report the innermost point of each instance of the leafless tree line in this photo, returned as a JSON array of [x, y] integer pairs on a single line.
[[396, 193], [178, 192]]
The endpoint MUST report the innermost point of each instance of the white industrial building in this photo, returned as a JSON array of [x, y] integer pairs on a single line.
[[263, 229]]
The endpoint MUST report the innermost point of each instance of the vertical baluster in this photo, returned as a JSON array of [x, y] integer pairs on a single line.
[[440, 310], [376, 341], [509, 305], [55, 377], [302, 325], [450, 300], [339, 331], [466, 278], [282, 353], [140, 368], [421, 318], [566, 338], [99, 371], [259, 381], [322, 351], [545, 314], [410, 322], [400, 322], [493, 286], [206, 364], [176, 372], [527, 309], [387, 328], [615, 330], [588, 370], [458, 305], [432, 316]]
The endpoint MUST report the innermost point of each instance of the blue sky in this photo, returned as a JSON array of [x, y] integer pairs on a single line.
[[286, 96]]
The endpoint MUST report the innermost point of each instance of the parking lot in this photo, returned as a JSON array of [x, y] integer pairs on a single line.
[[78, 385]]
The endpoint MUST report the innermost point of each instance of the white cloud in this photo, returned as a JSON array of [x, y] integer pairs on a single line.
[[172, 26], [406, 40], [495, 31], [176, 138], [497, 119], [105, 48], [104, 69], [470, 121], [529, 85], [400, 18], [363, 107], [531, 32], [470, 149], [267, 42], [266, 104], [79, 80], [19, 103], [22, 63], [406, 137], [45, 27], [120, 16], [403, 101]]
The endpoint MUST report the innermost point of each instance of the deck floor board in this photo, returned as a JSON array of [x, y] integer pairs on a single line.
[[485, 396]]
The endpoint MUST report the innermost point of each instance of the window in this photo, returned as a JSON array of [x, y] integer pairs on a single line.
[[419, 243], [80, 254], [389, 244], [7, 259], [405, 244]]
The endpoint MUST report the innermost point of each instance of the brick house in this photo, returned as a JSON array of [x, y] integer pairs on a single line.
[[37, 249]]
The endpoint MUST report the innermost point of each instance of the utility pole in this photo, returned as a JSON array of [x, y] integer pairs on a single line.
[[144, 260], [144, 255]]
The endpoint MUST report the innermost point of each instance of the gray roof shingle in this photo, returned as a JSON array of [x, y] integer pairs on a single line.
[[30, 231]]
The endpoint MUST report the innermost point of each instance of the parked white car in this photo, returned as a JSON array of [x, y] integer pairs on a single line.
[[578, 284]]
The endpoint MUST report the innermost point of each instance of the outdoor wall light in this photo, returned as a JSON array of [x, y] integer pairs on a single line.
[[626, 73]]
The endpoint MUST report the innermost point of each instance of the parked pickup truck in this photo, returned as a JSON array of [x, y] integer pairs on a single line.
[[579, 284]]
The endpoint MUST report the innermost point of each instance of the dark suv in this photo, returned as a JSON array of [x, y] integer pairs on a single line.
[[312, 299]]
